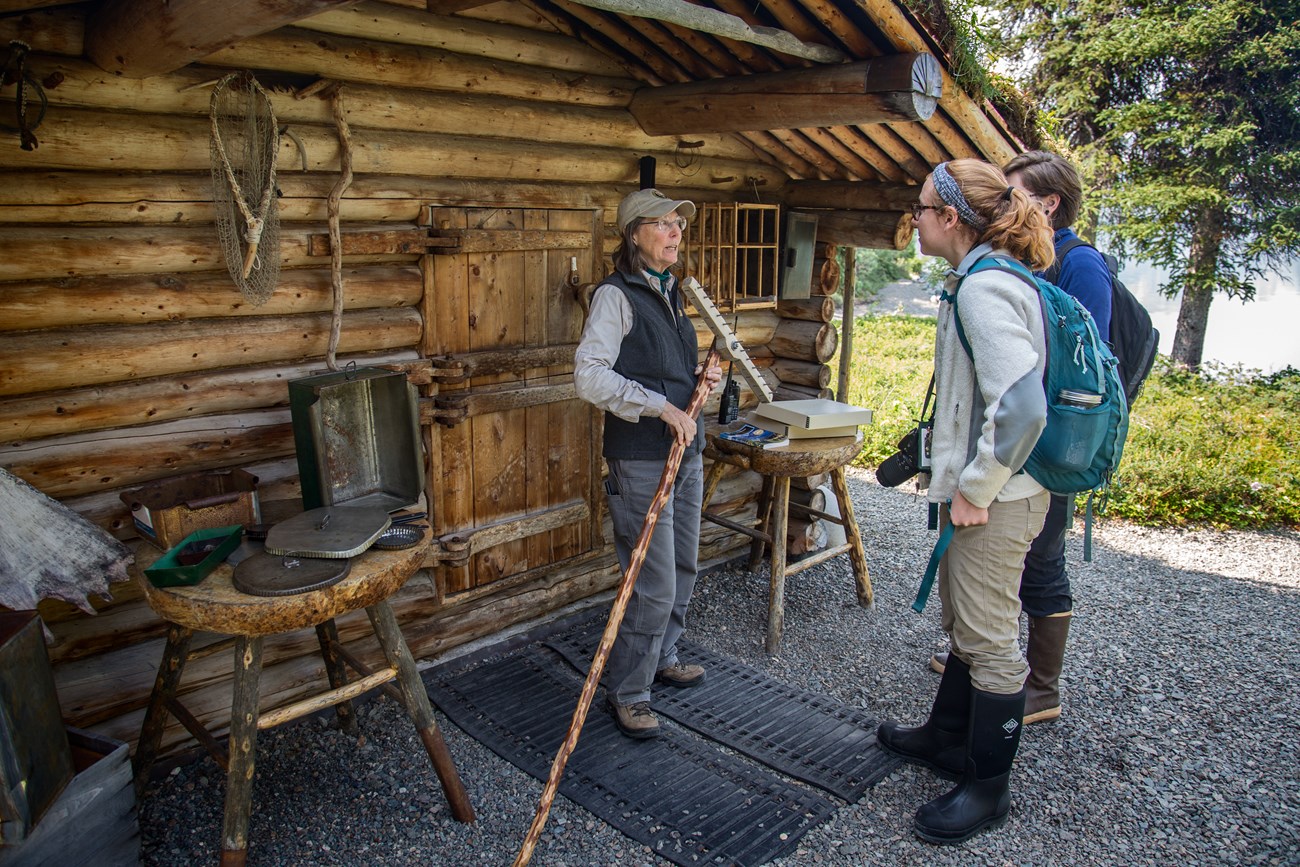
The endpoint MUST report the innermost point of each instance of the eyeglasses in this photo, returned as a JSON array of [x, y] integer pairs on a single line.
[[919, 209], [666, 225]]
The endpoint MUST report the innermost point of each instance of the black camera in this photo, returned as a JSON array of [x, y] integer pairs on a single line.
[[913, 457]]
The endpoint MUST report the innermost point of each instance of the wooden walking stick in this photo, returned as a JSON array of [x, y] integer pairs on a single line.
[[698, 397]]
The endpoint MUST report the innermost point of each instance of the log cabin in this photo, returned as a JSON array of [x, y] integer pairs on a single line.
[[446, 179]]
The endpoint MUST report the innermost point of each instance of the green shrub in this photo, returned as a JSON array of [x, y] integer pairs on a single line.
[[1219, 448]]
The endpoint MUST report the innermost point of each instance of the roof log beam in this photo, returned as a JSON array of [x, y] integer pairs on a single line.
[[140, 38], [899, 87]]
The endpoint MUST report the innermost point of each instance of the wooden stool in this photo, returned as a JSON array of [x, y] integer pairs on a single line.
[[214, 605], [803, 457]]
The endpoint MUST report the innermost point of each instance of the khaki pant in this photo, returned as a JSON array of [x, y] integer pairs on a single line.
[[979, 584]]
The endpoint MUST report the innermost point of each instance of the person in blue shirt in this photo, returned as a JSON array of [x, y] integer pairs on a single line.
[[1045, 597]]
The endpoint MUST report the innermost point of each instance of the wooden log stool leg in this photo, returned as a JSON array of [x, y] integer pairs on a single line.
[[417, 705], [242, 751], [764, 516], [776, 594], [857, 554], [175, 653], [328, 635]]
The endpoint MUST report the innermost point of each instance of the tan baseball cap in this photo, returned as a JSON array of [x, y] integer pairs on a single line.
[[650, 204]]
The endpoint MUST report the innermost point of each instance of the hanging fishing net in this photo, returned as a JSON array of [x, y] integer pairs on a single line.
[[245, 142]]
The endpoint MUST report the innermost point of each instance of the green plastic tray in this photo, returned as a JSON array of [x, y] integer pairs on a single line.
[[167, 572]]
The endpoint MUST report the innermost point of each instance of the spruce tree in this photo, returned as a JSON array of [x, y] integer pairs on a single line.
[[1186, 118]]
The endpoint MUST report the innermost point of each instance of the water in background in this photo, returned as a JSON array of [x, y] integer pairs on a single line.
[[1263, 334]]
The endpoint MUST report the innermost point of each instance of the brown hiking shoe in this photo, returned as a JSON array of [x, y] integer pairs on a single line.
[[635, 720], [681, 676]]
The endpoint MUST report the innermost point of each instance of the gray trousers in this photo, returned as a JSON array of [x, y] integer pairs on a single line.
[[656, 612]]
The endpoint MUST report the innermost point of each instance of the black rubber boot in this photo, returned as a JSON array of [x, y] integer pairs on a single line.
[[983, 797], [940, 742]]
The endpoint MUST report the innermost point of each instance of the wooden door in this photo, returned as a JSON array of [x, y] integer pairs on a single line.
[[515, 473]]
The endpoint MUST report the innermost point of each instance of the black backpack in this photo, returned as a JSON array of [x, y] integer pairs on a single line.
[[1132, 337]]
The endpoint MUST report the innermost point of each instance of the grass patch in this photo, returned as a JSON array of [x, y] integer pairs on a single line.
[[1218, 448]]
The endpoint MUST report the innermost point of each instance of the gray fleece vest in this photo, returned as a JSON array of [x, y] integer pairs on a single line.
[[661, 353]]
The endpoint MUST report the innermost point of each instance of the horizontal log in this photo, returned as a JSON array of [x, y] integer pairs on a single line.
[[805, 341], [790, 391], [894, 87], [79, 464], [380, 107], [31, 253], [850, 195], [292, 49], [176, 198], [819, 308], [807, 373], [32, 362], [435, 27], [159, 399], [139, 38], [80, 139], [872, 229], [62, 30], [140, 299]]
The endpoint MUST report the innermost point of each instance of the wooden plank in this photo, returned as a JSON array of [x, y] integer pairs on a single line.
[[485, 240]]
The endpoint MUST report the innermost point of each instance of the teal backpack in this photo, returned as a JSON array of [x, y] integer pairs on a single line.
[[1087, 411]]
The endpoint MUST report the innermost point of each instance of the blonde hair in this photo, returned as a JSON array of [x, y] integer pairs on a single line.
[[1010, 219]]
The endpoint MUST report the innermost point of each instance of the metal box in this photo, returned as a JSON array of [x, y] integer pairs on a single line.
[[167, 511], [357, 434], [798, 243], [35, 759]]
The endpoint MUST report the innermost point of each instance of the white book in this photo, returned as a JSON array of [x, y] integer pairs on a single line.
[[814, 414], [802, 433]]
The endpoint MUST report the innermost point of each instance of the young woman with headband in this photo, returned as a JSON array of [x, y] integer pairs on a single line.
[[989, 410]]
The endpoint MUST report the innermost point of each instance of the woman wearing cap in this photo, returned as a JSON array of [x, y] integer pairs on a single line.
[[638, 361], [989, 412]]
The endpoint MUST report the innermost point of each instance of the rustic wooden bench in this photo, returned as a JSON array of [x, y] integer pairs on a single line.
[[214, 605], [800, 458]]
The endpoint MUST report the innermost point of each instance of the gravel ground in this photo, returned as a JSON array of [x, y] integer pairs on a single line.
[[1178, 745]]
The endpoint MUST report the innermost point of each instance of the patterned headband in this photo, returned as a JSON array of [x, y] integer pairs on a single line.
[[946, 186]]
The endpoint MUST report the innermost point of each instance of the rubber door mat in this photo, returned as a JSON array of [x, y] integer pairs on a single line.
[[804, 735], [679, 794]]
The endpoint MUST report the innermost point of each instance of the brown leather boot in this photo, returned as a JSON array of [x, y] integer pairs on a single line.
[[1045, 654]]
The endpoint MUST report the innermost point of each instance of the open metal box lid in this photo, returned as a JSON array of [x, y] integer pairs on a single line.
[[357, 436], [330, 532]]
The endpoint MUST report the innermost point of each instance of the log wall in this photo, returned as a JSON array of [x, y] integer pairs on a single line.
[[129, 355]]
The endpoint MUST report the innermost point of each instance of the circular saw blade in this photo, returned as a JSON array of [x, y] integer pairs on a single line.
[[279, 575]]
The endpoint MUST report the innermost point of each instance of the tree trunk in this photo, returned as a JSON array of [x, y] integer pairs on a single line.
[[1194, 313]]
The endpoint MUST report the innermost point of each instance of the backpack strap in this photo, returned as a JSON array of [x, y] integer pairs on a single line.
[[1053, 273], [932, 568], [1001, 263]]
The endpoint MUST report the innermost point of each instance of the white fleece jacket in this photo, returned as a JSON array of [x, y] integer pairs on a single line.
[[989, 413]]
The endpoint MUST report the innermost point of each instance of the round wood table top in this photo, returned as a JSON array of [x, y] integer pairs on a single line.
[[799, 457], [214, 605]]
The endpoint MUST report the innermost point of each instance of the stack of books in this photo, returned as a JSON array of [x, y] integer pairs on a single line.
[[811, 418]]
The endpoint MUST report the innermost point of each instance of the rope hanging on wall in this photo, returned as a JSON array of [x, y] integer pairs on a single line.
[[245, 143]]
